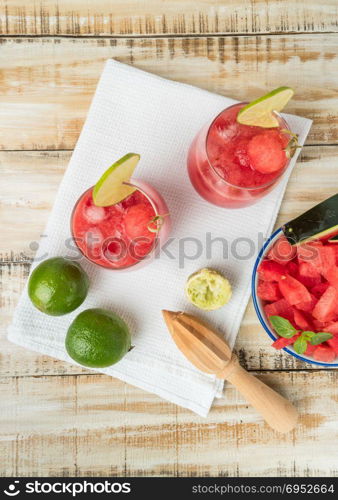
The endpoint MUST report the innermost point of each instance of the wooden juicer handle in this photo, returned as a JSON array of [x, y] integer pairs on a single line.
[[277, 411]]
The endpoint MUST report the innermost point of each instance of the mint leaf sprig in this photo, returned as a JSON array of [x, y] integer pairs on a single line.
[[285, 329], [300, 345]]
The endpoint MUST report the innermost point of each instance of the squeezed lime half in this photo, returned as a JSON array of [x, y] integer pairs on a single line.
[[208, 290]]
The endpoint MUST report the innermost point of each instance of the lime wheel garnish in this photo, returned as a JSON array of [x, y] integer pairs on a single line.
[[260, 113], [114, 186]]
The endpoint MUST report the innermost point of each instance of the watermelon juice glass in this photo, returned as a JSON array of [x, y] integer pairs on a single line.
[[234, 165], [121, 236]]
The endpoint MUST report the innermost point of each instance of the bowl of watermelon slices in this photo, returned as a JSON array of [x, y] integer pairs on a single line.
[[295, 294]]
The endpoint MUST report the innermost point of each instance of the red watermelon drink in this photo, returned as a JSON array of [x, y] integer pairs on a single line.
[[234, 164], [122, 235]]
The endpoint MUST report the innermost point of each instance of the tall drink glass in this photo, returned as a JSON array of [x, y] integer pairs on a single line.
[[220, 166]]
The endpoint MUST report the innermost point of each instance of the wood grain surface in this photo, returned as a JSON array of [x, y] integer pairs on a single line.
[[60, 419], [47, 84], [166, 17], [95, 425]]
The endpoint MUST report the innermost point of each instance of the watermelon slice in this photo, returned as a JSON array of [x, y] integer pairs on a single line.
[[319, 289], [309, 282], [324, 353], [269, 291], [333, 343], [280, 308], [326, 308], [320, 326], [302, 321], [281, 342], [292, 268], [327, 259], [270, 271], [293, 290], [308, 306], [335, 248], [331, 328], [308, 271], [320, 257], [310, 349], [282, 252], [323, 259], [332, 276], [308, 251]]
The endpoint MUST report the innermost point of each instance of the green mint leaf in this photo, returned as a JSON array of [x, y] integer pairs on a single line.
[[308, 335], [283, 327], [320, 337], [300, 345]]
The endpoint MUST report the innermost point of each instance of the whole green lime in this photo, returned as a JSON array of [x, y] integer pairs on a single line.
[[57, 286], [97, 338]]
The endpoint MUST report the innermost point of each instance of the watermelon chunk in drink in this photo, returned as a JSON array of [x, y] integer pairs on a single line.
[[137, 219]]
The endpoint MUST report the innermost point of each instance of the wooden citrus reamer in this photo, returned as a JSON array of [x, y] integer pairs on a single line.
[[210, 353]]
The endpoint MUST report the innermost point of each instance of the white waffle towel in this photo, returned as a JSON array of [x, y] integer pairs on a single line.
[[136, 111]]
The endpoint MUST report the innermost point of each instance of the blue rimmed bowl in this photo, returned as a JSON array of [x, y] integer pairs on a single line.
[[258, 304]]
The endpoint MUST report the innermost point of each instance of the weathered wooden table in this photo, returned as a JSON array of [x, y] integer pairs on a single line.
[[57, 419]]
